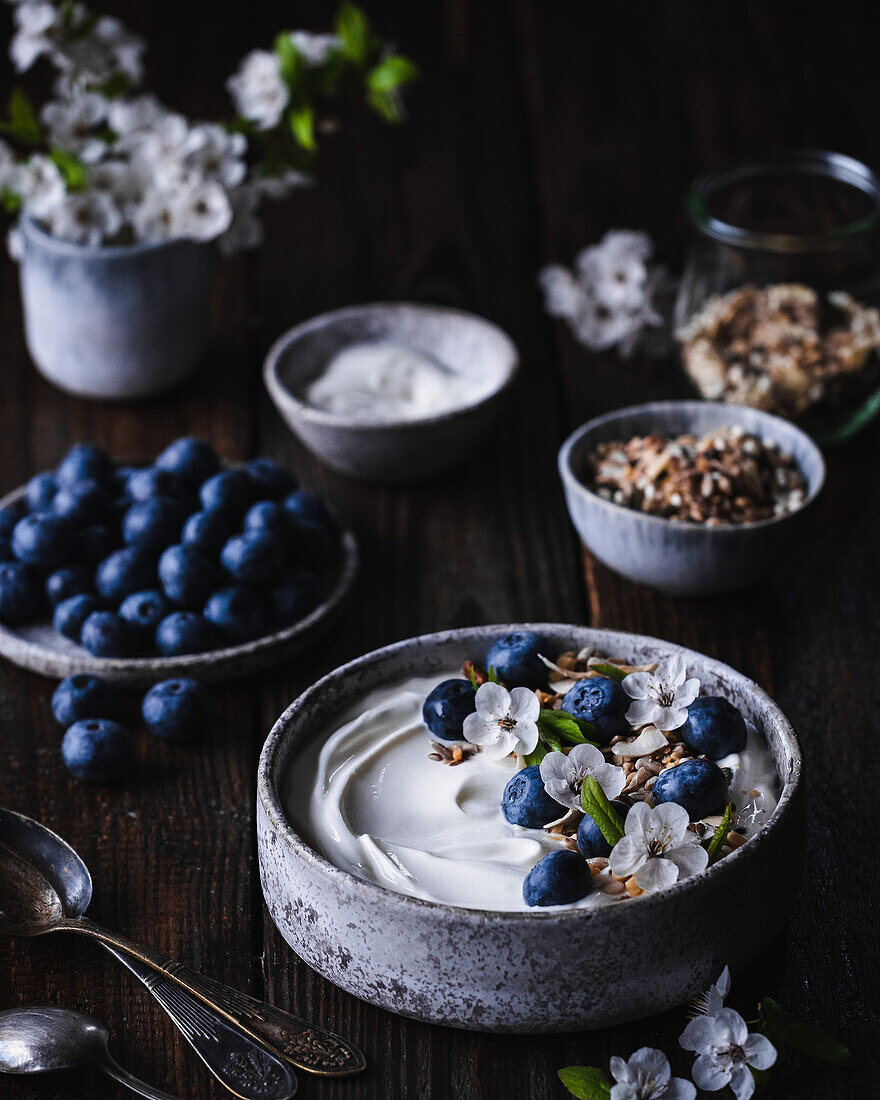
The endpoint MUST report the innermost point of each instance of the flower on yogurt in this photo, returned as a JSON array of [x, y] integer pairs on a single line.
[[564, 775], [658, 848], [504, 721], [258, 89], [711, 1002], [646, 1076], [661, 697], [725, 1050]]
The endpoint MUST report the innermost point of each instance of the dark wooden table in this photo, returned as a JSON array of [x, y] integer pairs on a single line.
[[538, 125]]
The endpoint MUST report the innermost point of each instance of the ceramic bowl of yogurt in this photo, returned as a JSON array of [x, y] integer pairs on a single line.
[[405, 890], [391, 391]]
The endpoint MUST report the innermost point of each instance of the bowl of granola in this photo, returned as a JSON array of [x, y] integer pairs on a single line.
[[690, 497], [484, 827]]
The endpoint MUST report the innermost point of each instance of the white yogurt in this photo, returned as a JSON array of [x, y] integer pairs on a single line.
[[384, 382], [374, 803]]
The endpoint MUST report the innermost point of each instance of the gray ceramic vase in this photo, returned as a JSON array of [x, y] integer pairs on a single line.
[[115, 322], [537, 971]]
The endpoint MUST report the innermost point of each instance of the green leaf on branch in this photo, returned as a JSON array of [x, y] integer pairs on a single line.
[[387, 106], [290, 60], [355, 33], [22, 122], [721, 832], [10, 200], [611, 671], [595, 803], [806, 1039], [302, 126], [71, 168], [565, 726], [586, 1082], [392, 73]]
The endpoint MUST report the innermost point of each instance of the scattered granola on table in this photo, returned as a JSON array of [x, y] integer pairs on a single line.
[[726, 477]]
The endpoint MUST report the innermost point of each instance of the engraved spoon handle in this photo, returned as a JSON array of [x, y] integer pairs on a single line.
[[240, 1064]]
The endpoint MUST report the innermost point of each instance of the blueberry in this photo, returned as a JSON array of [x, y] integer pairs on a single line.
[[93, 544], [21, 596], [69, 615], [10, 515], [601, 701], [192, 459], [256, 557], [590, 840], [312, 545], [80, 697], [82, 503], [106, 634], [558, 879], [150, 482], [515, 658], [187, 576], [145, 610], [153, 523], [83, 462], [698, 785], [526, 803], [97, 750], [184, 632], [42, 540], [714, 728], [177, 710], [40, 490], [71, 580], [231, 490], [446, 708], [266, 515], [119, 479], [125, 571], [270, 479], [207, 530], [296, 595], [239, 614], [302, 504]]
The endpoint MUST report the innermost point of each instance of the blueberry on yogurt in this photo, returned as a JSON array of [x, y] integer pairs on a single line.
[[601, 701], [698, 785], [560, 878], [525, 801], [714, 728], [590, 841], [446, 708], [515, 659]]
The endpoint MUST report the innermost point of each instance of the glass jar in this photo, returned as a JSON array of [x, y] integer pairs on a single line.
[[778, 304]]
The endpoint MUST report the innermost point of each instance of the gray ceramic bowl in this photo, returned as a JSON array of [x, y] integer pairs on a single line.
[[685, 559], [537, 971], [407, 451]]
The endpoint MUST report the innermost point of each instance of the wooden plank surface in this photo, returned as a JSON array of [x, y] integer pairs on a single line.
[[537, 126]]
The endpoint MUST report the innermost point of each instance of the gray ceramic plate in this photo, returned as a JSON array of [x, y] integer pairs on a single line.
[[36, 646], [560, 970]]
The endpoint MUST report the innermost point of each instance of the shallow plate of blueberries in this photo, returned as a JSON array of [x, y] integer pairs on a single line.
[[188, 566]]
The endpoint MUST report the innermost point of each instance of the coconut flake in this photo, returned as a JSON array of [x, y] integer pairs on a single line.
[[647, 742]]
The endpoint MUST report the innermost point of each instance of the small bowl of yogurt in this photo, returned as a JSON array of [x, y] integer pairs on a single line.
[[391, 391]]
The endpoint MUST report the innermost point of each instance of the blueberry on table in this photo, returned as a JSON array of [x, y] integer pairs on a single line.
[[230, 490], [207, 530], [21, 593], [69, 615], [526, 803], [296, 595], [187, 576], [714, 728], [106, 634], [82, 503], [10, 515], [184, 632], [310, 544], [84, 462], [446, 708], [270, 479], [698, 785], [145, 610], [97, 750], [266, 515], [190, 458], [154, 523], [42, 540], [238, 613], [515, 659], [70, 580], [82, 696], [92, 544], [177, 710], [590, 840], [560, 878], [40, 492], [152, 482], [256, 557], [125, 571], [603, 702], [302, 504]]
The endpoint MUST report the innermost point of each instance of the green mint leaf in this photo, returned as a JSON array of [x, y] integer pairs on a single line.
[[493, 676], [596, 804], [386, 105], [355, 33], [302, 126], [71, 168], [565, 725], [586, 1082], [537, 756], [611, 671], [23, 121], [721, 832], [472, 676], [551, 739], [392, 73]]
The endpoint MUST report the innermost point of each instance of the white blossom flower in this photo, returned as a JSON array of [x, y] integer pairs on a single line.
[[564, 775], [658, 848], [36, 25], [258, 89], [39, 184], [71, 125], [725, 1049], [201, 211], [647, 1076], [126, 181], [85, 217], [211, 152], [153, 218], [661, 697], [504, 721], [315, 48], [15, 244], [159, 149], [617, 268], [134, 114], [711, 1002], [106, 49]]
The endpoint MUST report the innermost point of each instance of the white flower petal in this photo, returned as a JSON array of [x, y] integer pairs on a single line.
[[730, 1022], [709, 1074], [656, 874], [628, 855], [759, 1051], [642, 712], [610, 778], [690, 859], [671, 817], [525, 706], [679, 1089], [742, 1083], [493, 701], [620, 1071], [637, 684], [699, 1034], [526, 737]]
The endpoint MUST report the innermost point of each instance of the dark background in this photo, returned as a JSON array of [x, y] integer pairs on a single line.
[[538, 125]]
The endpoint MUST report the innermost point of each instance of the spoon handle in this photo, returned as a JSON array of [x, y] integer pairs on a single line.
[[113, 1069], [305, 1045]]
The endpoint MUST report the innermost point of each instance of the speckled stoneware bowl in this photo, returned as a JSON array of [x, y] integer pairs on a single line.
[[407, 450], [685, 559], [561, 970]]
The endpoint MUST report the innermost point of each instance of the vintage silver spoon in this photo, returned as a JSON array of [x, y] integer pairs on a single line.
[[41, 1040], [45, 887]]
